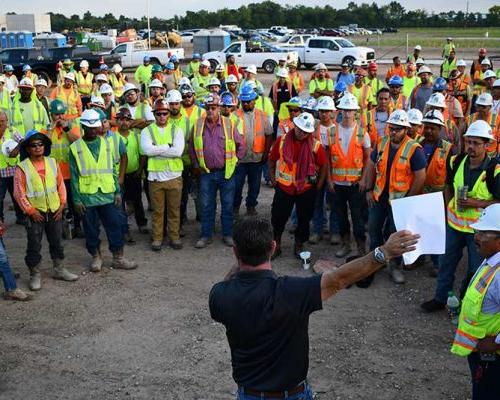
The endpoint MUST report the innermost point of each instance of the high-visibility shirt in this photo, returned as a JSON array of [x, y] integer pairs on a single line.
[[264, 103], [447, 67], [143, 73], [94, 175], [160, 164], [5, 101], [493, 120], [230, 157], [409, 83], [131, 142], [71, 98], [41, 193], [192, 68], [60, 146], [435, 178], [297, 80], [324, 84], [363, 94], [39, 120], [84, 83], [473, 324], [346, 167], [447, 49], [374, 83], [5, 161], [117, 83], [200, 85], [461, 220], [401, 176]]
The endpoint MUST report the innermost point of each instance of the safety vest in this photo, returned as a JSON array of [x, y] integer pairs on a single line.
[[409, 83], [286, 176], [200, 85], [316, 84], [297, 80], [139, 113], [369, 122], [60, 144], [460, 220], [184, 124], [117, 83], [436, 167], [259, 137], [447, 48], [160, 164], [478, 88], [94, 175], [447, 67], [114, 142], [346, 167], [42, 194], [69, 98], [17, 122], [84, 83], [399, 103], [276, 86], [396, 71], [494, 122], [474, 325], [361, 95], [461, 92], [5, 102], [286, 126], [5, 161], [401, 176], [229, 148], [132, 143]]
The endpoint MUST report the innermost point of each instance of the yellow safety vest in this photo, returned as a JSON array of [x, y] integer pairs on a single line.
[[132, 143], [229, 149], [5, 102], [473, 325], [17, 122], [448, 67], [325, 84], [70, 101], [117, 84], [60, 145], [42, 195], [159, 164], [184, 124], [4, 160], [94, 175], [84, 83]]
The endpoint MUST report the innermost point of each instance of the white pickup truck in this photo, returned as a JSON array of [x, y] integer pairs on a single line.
[[132, 53], [331, 50], [264, 56]]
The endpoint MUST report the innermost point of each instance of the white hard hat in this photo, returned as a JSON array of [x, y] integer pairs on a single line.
[[219, 68], [348, 102], [283, 57], [489, 219], [205, 63], [70, 76], [433, 117], [41, 82], [419, 60], [484, 99], [155, 83], [489, 74], [326, 103], [90, 118], [252, 69], [8, 146], [25, 82], [84, 64], [400, 118], [105, 89], [97, 101], [174, 96], [418, 47], [129, 86], [357, 63], [480, 129], [320, 66], [184, 81], [496, 83], [117, 68], [424, 69], [282, 73], [231, 79], [304, 122], [415, 116], [486, 62], [461, 63], [101, 77], [436, 100], [213, 82]]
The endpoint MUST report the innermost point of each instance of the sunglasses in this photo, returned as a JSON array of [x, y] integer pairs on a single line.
[[162, 114], [293, 110], [396, 128], [187, 96], [36, 144]]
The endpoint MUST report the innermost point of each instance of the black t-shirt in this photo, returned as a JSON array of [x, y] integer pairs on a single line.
[[283, 94], [267, 319]]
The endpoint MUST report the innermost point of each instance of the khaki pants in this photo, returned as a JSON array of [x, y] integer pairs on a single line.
[[171, 193]]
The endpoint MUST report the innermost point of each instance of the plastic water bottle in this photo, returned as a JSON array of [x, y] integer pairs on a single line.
[[453, 305]]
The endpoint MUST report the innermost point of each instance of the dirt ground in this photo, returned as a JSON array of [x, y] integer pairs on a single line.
[[147, 334]]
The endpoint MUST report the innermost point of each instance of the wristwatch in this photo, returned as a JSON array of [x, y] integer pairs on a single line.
[[379, 255]]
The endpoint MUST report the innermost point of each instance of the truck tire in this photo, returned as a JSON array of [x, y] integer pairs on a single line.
[[43, 74], [269, 66], [349, 60]]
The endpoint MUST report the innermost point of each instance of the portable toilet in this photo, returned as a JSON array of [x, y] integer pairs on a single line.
[[4, 41], [59, 39], [12, 42], [219, 40], [25, 39], [20, 39], [201, 42]]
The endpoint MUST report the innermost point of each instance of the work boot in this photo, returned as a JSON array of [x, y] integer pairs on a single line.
[[143, 229], [35, 282], [78, 233], [251, 211], [176, 244], [120, 262], [432, 306], [345, 247], [17, 295], [129, 238], [297, 248], [396, 272], [156, 245], [315, 238], [228, 241], [96, 264], [202, 243], [277, 250], [335, 239], [361, 247], [62, 273]]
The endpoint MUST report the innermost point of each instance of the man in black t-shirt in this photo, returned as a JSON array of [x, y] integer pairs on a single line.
[[267, 317]]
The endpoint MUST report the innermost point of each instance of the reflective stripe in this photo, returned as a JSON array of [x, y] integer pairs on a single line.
[[485, 280], [85, 171], [30, 192], [465, 340]]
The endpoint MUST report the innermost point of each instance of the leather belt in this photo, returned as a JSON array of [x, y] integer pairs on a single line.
[[276, 395]]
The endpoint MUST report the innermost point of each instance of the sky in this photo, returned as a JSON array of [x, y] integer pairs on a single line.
[[167, 9]]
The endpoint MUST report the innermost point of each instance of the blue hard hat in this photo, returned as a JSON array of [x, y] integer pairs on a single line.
[[294, 102], [146, 58], [227, 99], [34, 134], [170, 66], [174, 59], [395, 80], [196, 56], [104, 67], [8, 68], [309, 104], [247, 93], [26, 67], [439, 84], [340, 86]]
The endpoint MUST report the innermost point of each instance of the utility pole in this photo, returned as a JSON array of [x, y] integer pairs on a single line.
[[466, 13]]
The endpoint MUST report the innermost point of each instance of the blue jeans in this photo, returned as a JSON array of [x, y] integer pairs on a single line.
[[455, 243], [381, 225], [209, 184], [9, 282], [254, 173], [265, 172], [112, 220], [307, 394]]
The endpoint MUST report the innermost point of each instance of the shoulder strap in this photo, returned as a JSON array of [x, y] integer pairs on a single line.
[[490, 175], [456, 164]]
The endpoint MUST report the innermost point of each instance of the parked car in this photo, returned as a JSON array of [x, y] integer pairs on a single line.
[[187, 37], [390, 30], [132, 53], [293, 40], [375, 31], [331, 32]]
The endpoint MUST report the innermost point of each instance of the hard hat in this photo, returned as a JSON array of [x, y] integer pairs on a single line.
[[231, 79], [372, 66], [395, 80], [360, 72], [26, 67], [496, 83], [282, 73], [146, 58], [489, 219], [449, 38], [415, 116], [348, 102], [357, 63], [212, 99], [103, 67], [461, 63], [305, 122], [58, 107], [433, 117], [67, 61], [424, 70], [440, 84], [174, 96], [184, 81], [105, 89], [102, 114], [340, 86], [8, 146], [155, 83], [399, 118], [283, 57], [196, 56], [247, 93], [454, 74], [326, 103], [418, 47], [84, 64], [436, 100], [219, 68], [174, 59], [26, 83], [227, 99], [480, 129], [186, 89], [482, 51], [489, 74], [129, 86], [320, 66], [205, 63], [160, 104], [97, 101], [484, 99], [8, 68], [31, 135], [295, 101], [486, 62], [41, 82], [90, 118], [309, 104], [420, 60], [252, 69], [117, 68], [213, 82], [292, 64], [101, 77], [156, 68], [70, 76], [170, 66]]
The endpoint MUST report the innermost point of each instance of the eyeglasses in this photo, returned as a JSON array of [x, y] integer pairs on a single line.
[[130, 93], [162, 113], [36, 144]]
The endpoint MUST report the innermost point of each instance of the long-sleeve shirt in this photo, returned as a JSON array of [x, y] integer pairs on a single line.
[[214, 146], [20, 186]]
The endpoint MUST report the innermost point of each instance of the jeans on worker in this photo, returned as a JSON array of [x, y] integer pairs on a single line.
[[307, 394], [210, 183], [166, 195], [111, 220], [485, 382], [253, 173], [7, 185], [9, 282], [76, 218], [319, 217], [347, 198], [133, 197], [381, 225], [34, 231], [448, 262], [265, 173]]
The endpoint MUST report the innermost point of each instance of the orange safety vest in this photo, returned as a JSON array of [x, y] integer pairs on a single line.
[[297, 80], [275, 91], [259, 137], [399, 104], [401, 176], [493, 120], [346, 167], [286, 126], [461, 93], [368, 121], [70, 98], [436, 167]]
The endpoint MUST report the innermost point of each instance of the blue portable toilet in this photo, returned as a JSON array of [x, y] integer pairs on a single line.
[[20, 39], [12, 39], [25, 39], [4, 41]]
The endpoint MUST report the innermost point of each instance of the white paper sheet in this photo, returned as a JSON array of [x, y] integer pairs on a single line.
[[423, 214]]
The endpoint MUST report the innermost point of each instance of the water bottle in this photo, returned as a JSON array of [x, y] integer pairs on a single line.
[[453, 305]]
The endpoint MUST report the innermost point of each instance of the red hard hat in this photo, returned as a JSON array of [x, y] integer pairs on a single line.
[[160, 104], [482, 50]]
